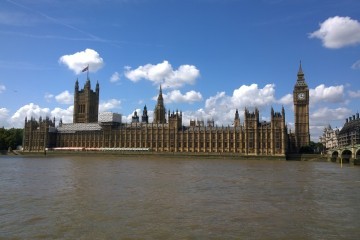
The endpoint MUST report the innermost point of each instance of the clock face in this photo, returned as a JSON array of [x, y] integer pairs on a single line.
[[301, 96]]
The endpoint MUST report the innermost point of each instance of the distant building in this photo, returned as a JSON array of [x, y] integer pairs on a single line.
[[350, 132], [93, 131], [330, 136]]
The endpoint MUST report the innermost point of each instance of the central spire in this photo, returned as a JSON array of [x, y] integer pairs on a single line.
[[159, 113], [160, 97]]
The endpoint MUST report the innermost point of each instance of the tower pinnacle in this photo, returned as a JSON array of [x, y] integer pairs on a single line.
[[300, 77], [300, 72], [159, 113], [160, 97]]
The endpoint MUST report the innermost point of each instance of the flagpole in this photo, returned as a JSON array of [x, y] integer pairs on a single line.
[[86, 69]]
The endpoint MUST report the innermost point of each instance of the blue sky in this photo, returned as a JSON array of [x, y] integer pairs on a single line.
[[211, 57]]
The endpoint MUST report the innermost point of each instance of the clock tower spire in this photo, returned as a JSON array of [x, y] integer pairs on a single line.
[[301, 111]]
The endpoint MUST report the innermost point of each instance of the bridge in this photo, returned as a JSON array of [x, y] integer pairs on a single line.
[[346, 154]]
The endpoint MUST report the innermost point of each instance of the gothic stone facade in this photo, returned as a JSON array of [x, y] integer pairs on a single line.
[[251, 138], [168, 134], [86, 103]]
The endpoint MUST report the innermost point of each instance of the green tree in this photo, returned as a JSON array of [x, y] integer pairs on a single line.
[[10, 138], [312, 148]]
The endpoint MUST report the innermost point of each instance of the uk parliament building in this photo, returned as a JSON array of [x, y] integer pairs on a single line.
[[91, 131]]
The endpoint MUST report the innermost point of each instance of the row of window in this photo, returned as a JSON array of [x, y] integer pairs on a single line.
[[166, 137], [153, 144]]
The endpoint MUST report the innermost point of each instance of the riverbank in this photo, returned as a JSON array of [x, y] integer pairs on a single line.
[[307, 157], [172, 155], [146, 155]]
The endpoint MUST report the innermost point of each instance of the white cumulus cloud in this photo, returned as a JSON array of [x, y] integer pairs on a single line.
[[321, 117], [65, 98], [33, 110], [65, 114], [216, 100], [48, 97], [222, 107], [253, 96], [109, 104], [115, 77], [287, 99], [201, 115], [325, 114], [29, 110], [163, 73], [2, 88], [78, 61], [338, 32], [177, 97], [332, 94], [3, 115], [354, 94]]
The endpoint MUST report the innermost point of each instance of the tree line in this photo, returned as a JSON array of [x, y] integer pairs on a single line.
[[10, 138]]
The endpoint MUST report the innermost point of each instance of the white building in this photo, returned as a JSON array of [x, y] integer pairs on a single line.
[[330, 137]]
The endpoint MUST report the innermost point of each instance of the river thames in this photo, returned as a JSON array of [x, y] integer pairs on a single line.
[[114, 198]]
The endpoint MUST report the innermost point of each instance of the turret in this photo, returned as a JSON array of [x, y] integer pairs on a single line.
[[257, 114], [175, 119], [76, 86], [135, 117], [237, 119], [97, 90], [144, 117], [87, 84]]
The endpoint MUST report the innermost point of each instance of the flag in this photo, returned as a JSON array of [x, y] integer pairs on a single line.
[[85, 69]]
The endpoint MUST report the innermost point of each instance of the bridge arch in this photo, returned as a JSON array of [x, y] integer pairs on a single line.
[[346, 155], [357, 154], [334, 156]]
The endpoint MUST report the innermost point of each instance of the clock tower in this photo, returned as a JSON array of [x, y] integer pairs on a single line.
[[301, 110]]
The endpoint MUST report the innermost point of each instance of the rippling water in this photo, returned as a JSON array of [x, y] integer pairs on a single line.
[[93, 198]]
